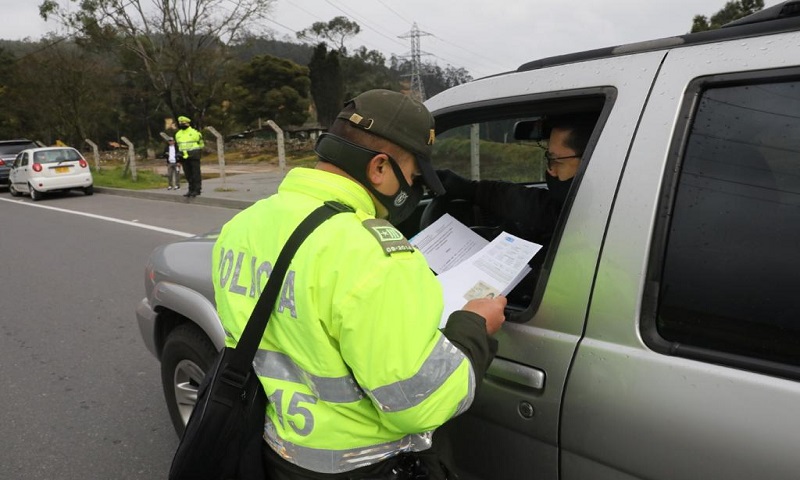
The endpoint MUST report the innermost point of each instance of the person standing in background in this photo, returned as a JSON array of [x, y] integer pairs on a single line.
[[190, 145], [173, 173]]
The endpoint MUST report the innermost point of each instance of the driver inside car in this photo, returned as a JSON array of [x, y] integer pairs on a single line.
[[530, 213]]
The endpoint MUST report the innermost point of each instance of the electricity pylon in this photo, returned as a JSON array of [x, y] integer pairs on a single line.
[[417, 88]]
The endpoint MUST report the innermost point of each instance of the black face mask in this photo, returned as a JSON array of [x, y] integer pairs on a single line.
[[558, 188], [353, 159], [183, 126], [403, 203]]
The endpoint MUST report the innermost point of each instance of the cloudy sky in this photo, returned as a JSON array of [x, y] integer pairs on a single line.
[[482, 36]]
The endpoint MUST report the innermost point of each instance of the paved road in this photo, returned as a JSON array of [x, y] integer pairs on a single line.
[[81, 395]]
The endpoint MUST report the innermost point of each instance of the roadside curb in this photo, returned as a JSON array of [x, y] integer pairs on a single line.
[[201, 200]]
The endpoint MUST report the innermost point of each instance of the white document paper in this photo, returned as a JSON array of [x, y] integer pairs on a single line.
[[469, 266], [447, 242]]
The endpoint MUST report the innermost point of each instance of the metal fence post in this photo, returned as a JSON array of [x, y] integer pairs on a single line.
[[96, 154], [131, 158], [220, 152], [475, 151], [281, 150]]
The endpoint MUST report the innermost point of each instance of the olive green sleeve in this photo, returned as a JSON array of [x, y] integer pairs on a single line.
[[467, 331]]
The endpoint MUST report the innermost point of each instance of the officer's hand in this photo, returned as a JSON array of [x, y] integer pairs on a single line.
[[491, 309], [457, 186]]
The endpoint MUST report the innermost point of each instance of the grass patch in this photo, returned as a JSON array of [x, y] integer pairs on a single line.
[[113, 177], [302, 161], [302, 157], [512, 162]]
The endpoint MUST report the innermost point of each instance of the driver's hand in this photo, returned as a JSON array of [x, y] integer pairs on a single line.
[[491, 309], [457, 187]]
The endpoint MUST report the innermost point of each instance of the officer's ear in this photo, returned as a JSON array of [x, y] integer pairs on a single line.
[[378, 169]]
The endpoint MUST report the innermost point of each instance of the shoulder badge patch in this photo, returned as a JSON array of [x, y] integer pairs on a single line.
[[390, 238]]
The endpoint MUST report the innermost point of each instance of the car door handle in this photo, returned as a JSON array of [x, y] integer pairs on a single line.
[[516, 373]]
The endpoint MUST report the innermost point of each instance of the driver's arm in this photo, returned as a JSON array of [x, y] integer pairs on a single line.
[[520, 210], [527, 212]]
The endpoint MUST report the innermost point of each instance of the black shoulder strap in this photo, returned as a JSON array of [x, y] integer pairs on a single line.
[[254, 330]]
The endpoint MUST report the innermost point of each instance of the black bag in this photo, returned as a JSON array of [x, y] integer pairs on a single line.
[[224, 435]]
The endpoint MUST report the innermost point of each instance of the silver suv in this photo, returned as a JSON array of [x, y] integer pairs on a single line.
[[661, 337]]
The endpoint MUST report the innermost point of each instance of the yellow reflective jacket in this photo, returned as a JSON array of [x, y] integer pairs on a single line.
[[353, 362], [189, 142]]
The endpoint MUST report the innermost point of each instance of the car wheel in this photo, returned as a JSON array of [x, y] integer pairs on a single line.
[[36, 195], [13, 191], [89, 190], [188, 354]]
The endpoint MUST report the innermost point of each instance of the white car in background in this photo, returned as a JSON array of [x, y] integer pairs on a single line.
[[39, 170]]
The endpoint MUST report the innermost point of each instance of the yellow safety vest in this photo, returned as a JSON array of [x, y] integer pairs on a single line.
[[187, 140], [352, 361]]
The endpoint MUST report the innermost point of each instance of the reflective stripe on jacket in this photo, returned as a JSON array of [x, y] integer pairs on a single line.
[[353, 362], [187, 140]]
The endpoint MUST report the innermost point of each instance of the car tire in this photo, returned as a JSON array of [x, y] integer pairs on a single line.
[[13, 191], [36, 195], [88, 190], [187, 355]]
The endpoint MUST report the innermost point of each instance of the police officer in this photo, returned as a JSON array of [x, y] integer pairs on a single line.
[[357, 372], [190, 145]]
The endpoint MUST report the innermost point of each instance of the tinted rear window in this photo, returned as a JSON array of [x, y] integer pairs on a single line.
[[732, 266], [55, 156], [15, 147]]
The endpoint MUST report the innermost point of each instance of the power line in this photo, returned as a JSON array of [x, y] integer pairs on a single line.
[[437, 37], [375, 27], [365, 22], [752, 109], [281, 25], [322, 20], [304, 10], [368, 24], [41, 49], [471, 52], [395, 12]]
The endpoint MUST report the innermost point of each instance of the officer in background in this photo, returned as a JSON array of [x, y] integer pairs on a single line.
[[357, 372], [190, 145]]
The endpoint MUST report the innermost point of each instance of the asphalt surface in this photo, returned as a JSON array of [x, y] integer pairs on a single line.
[[240, 187]]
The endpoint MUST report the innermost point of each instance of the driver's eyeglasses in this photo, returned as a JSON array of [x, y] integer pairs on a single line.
[[552, 159]]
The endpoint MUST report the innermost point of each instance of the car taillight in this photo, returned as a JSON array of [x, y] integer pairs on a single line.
[[37, 167], [2, 163], [83, 163]]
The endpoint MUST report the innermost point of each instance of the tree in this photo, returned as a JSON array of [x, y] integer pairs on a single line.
[[273, 89], [336, 31], [63, 92], [181, 45], [253, 45], [327, 85], [435, 79], [7, 67], [733, 10], [365, 70]]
